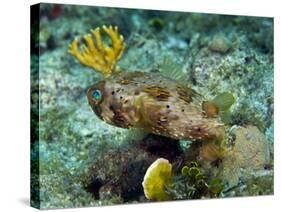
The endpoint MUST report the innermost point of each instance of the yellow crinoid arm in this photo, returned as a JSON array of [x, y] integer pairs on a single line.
[[96, 53]]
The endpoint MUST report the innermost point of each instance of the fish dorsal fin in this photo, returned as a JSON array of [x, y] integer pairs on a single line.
[[173, 70]]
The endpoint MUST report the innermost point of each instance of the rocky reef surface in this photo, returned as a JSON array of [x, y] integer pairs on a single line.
[[82, 161]]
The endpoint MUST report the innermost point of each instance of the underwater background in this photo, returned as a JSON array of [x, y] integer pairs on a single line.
[[78, 160]]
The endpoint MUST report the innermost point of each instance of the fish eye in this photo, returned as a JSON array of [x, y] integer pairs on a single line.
[[97, 95]]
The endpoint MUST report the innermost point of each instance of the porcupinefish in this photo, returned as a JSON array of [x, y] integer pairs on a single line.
[[157, 104]]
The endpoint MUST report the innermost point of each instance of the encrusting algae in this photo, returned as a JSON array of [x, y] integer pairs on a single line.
[[148, 101]]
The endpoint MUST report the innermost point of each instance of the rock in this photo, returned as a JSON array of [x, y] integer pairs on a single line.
[[250, 152], [219, 44]]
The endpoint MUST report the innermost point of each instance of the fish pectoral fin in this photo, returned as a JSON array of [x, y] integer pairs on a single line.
[[224, 101], [210, 109], [225, 116], [220, 105]]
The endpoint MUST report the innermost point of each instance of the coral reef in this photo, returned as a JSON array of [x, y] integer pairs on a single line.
[[85, 162]]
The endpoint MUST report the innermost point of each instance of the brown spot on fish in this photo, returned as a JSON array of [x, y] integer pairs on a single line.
[[118, 117], [114, 107], [157, 92], [124, 82], [132, 75], [184, 94], [120, 121], [162, 97]]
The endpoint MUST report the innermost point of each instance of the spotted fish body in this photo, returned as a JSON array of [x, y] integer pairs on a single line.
[[154, 103]]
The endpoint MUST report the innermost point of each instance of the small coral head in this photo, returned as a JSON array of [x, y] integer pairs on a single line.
[[96, 54]]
